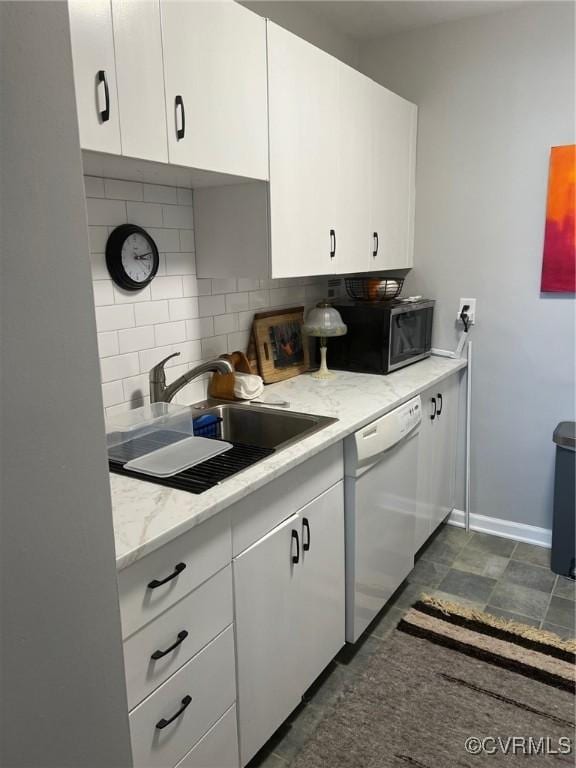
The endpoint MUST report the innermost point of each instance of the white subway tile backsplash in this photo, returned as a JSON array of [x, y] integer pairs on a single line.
[[178, 216], [103, 292], [117, 189], [189, 285], [180, 264], [98, 266], [119, 367], [151, 312], [259, 299], [190, 351], [248, 284], [186, 239], [170, 333], [98, 237], [94, 186], [122, 296], [211, 305], [213, 347], [183, 309], [177, 312], [166, 288], [110, 213], [145, 214], [156, 193], [237, 302], [204, 287], [224, 285], [108, 343], [184, 196], [225, 324], [167, 240], [151, 357], [112, 393], [136, 387], [116, 317], [238, 341], [135, 339]]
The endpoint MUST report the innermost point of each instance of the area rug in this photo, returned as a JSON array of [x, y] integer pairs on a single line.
[[453, 687]]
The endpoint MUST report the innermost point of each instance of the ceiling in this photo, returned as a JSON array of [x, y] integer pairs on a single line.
[[363, 20]]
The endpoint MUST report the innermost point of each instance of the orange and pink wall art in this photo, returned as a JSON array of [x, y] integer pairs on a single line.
[[559, 262]]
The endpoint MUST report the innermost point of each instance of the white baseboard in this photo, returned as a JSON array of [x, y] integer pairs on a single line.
[[507, 529]]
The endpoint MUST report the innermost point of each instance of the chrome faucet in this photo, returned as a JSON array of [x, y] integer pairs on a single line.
[[159, 392]]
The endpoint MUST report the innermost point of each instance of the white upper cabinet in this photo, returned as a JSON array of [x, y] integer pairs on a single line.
[[95, 75], [140, 79], [215, 81], [303, 116], [393, 179], [354, 171]]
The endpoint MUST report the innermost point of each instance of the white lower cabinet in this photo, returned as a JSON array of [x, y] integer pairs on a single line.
[[437, 456], [218, 748], [289, 613], [185, 707]]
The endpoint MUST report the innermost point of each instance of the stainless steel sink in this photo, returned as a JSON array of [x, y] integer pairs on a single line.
[[260, 425]]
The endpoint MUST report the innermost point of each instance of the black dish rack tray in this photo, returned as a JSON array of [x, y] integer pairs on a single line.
[[195, 480]]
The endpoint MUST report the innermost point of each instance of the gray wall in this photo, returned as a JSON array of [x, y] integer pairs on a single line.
[[494, 94], [302, 21], [63, 691]]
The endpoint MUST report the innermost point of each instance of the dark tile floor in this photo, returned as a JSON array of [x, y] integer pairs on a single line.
[[497, 575]]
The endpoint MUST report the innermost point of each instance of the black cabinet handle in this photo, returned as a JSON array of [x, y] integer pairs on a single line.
[[435, 413], [179, 104], [376, 243], [332, 243], [105, 113], [305, 541], [158, 582], [163, 723], [296, 557], [159, 654], [440, 403]]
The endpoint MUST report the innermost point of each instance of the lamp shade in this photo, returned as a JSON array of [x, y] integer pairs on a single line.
[[323, 320]]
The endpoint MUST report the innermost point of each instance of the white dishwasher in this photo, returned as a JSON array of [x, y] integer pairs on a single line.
[[380, 464]]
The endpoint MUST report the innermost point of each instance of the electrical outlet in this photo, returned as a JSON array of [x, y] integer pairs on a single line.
[[471, 312]]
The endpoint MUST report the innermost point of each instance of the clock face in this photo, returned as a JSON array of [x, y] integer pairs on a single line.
[[137, 258], [132, 257]]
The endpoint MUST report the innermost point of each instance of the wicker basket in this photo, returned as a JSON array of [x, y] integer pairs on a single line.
[[373, 288]]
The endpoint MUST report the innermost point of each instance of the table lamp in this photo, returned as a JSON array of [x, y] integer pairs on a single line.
[[324, 321]]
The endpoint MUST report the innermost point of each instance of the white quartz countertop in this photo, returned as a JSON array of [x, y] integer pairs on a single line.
[[147, 515]]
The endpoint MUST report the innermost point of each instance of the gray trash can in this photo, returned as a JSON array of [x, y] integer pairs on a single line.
[[564, 523]]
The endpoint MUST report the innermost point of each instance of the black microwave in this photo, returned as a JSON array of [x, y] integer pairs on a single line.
[[382, 337]]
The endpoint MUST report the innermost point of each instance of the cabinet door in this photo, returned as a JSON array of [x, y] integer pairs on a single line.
[[322, 591], [215, 75], [437, 457], [355, 132], [393, 179], [140, 78], [445, 448], [267, 636], [304, 156], [95, 75]]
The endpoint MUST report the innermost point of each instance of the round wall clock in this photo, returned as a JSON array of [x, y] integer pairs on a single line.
[[131, 257]]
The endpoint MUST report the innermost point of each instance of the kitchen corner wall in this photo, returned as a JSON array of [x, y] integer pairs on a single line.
[[177, 312], [494, 93]]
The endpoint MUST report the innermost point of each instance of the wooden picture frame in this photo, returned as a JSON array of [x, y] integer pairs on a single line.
[[282, 349]]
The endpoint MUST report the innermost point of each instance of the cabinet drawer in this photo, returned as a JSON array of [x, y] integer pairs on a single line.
[[182, 565], [218, 748], [201, 615], [208, 683]]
